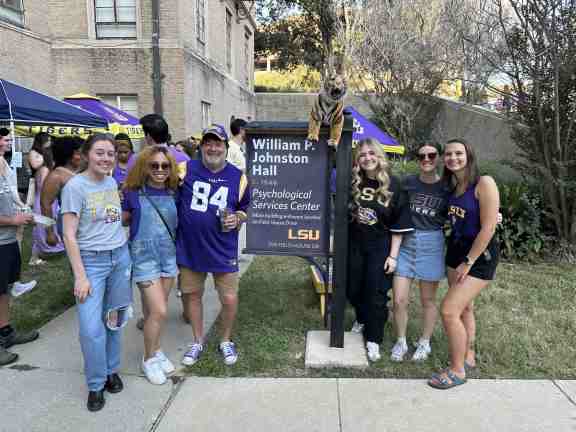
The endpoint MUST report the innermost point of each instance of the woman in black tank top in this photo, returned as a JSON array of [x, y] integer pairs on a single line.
[[470, 259]]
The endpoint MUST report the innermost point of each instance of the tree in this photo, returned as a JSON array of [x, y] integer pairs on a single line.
[[404, 50], [534, 46]]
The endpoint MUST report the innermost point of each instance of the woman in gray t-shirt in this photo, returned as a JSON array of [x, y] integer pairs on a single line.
[[99, 256]]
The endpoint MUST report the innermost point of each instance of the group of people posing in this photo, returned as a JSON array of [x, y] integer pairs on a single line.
[[397, 236], [184, 215]]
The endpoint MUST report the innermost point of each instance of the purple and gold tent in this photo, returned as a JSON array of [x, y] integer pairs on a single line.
[[364, 128]]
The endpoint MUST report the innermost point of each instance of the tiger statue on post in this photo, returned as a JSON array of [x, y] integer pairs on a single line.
[[328, 109]]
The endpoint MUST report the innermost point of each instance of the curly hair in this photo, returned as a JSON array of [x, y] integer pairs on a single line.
[[138, 175], [383, 195]]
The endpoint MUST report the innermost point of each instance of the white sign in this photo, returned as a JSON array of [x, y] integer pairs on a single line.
[[16, 160]]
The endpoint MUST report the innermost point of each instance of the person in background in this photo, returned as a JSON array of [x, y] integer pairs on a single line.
[[237, 152], [10, 262], [422, 252], [42, 152], [471, 257], [100, 260], [380, 216], [125, 150], [67, 162], [212, 204], [150, 210]]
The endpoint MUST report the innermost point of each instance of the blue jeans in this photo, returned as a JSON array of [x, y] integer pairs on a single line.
[[104, 312]]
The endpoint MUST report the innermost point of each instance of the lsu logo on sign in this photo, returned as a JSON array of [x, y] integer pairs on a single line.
[[303, 234]]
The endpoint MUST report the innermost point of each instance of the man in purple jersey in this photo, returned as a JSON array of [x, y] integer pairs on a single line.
[[212, 204]]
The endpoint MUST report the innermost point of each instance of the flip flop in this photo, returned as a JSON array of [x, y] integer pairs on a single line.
[[445, 382]]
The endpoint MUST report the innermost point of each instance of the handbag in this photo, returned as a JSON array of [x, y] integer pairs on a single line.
[[159, 214]]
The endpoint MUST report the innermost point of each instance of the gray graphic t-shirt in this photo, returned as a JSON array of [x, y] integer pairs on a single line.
[[97, 205], [428, 203], [7, 209]]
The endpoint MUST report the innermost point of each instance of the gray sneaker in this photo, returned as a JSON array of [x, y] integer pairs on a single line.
[[7, 357], [18, 338]]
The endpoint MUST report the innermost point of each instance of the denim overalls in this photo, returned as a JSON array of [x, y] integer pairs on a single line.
[[153, 250]]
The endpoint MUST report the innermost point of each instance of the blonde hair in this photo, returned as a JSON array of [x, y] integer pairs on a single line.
[[138, 174], [383, 195]]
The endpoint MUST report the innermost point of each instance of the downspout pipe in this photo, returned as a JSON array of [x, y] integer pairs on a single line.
[[156, 63]]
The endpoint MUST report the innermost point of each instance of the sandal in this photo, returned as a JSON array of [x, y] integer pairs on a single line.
[[445, 380]]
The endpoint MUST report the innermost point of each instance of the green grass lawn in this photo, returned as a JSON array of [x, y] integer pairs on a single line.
[[53, 294], [526, 326]]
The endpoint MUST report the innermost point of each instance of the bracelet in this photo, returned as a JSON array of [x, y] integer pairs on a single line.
[[394, 258]]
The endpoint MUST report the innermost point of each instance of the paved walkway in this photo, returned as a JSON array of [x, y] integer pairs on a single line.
[[45, 392]]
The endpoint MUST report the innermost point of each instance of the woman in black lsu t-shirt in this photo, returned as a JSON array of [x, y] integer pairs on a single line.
[[379, 216]]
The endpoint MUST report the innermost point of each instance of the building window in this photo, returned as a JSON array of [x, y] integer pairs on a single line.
[[228, 40], [206, 114], [12, 11], [248, 60], [201, 20], [115, 19], [126, 103]]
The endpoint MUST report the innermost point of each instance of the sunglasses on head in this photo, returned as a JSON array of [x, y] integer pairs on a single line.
[[155, 166], [429, 156]]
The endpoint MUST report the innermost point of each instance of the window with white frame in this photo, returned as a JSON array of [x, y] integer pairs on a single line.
[[12, 11], [126, 103], [206, 114], [228, 40], [115, 19], [201, 20], [248, 60]]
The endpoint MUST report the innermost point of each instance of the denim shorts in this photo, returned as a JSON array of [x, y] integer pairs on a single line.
[[422, 256], [153, 259]]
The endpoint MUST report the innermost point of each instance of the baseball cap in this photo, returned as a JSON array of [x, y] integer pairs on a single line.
[[217, 130]]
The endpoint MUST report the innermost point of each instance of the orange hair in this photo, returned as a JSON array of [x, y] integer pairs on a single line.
[[138, 175]]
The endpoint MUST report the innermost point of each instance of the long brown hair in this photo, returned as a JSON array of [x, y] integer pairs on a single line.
[[383, 194], [472, 171], [138, 174]]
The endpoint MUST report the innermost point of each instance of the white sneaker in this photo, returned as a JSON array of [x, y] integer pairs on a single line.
[[399, 351], [422, 352], [373, 351], [153, 371], [165, 363], [357, 327], [20, 288]]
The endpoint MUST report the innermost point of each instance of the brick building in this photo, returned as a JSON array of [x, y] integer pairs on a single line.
[[105, 48]]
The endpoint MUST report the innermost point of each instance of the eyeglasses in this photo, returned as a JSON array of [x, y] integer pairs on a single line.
[[430, 156], [155, 166]]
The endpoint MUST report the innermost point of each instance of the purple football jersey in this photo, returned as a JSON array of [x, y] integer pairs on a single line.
[[201, 245]]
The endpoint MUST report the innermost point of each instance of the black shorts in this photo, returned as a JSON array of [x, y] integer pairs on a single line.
[[9, 266], [485, 266]]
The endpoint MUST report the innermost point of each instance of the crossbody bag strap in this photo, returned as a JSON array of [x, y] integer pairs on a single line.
[[159, 214]]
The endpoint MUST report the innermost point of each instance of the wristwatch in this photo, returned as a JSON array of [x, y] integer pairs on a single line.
[[468, 261]]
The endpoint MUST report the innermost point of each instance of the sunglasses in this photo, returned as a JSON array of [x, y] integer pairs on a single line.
[[155, 166], [429, 156]]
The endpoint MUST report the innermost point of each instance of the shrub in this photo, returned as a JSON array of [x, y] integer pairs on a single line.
[[521, 232]]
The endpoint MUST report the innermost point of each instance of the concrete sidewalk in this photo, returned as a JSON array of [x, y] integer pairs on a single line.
[[45, 392]]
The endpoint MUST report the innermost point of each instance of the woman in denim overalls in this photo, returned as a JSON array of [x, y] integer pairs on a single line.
[[150, 210]]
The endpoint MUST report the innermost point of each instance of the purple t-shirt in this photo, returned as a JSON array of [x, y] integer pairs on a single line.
[[131, 203], [119, 174], [178, 156], [201, 246]]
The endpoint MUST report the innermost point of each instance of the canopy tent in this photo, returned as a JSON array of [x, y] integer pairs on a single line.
[[20, 106], [364, 128], [118, 120]]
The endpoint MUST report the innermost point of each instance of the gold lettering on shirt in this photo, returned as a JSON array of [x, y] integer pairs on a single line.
[[368, 194], [457, 211]]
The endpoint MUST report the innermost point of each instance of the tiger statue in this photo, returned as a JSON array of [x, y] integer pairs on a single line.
[[328, 109]]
